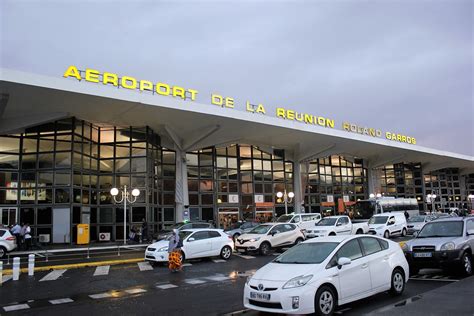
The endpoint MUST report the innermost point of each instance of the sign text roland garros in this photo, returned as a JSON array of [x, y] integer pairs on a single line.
[[160, 88]]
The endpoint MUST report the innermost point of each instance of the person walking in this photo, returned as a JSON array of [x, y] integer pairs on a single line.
[[16, 230], [174, 252], [27, 237], [22, 235], [407, 216], [144, 230]]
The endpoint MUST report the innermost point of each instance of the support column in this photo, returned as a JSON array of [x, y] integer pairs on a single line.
[[373, 177], [181, 191], [298, 188]]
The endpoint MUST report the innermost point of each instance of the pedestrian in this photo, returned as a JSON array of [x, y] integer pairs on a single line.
[[22, 235], [175, 256], [407, 216], [27, 237], [144, 230], [16, 230]]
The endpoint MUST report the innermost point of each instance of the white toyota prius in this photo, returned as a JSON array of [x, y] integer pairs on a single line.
[[319, 274]]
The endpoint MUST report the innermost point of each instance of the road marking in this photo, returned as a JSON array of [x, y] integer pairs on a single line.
[[436, 280], [18, 307], [6, 278], [135, 291], [61, 301], [144, 266], [217, 278], [194, 281], [187, 264], [437, 277], [276, 254], [342, 311], [244, 256], [102, 270], [166, 286], [101, 295], [218, 260], [53, 275]]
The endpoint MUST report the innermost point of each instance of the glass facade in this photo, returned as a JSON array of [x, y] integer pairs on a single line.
[[446, 185]]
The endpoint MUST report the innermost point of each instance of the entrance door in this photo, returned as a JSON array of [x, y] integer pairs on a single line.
[[61, 225], [227, 217], [9, 216]]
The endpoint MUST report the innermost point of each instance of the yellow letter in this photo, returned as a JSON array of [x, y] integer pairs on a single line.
[[260, 109], [250, 107], [388, 135], [413, 141], [404, 139], [179, 92], [281, 112], [92, 75], [72, 71], [166, 88], [299, 117], [216, 99], [126, 85], [229, 102], [290, 114], [193, 94], [321, 121], [110, 78], [146, 85], [308, 119], [346, 126], [330, 123]]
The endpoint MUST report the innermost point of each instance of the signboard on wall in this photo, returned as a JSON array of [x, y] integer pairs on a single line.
[[345, 198], [330, 198], [233, 198], [259, 198]]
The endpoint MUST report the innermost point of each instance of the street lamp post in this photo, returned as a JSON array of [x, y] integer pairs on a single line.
[[376, 197], [431, 198], [287, 198], [125, 197]]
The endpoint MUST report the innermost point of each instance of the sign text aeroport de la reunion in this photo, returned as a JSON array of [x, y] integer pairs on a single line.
[[161, 88]]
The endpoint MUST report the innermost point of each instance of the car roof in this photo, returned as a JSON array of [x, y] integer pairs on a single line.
[[339, 238], [200, 229], [449, 219]]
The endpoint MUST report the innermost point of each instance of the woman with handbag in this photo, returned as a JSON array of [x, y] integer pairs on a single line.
[[174, 252]]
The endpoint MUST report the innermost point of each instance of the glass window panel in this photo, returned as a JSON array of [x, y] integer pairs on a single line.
[[206, 172], [288, 167], [267, 165], [138, 213], [106, 165], [28, 161], [221, 162], [105, 182], [46, 144], [62, 195], [122, 165], [10, 144], [7, 178], [106, 151], [245, 151], [106, 135], [222, 174], [45, 216], [278, 165], [278, 176], [121, 180], [193, 199], [77, 160], [168, 214], [205, 159], [193, 185], [63, 160], [139, 181], [168, 185], [168, 199], [246, 188], [9, 196], [8, 161], [207, 199], [63, 142], [106, 215], [245, 164], [138, 165], [122, 150], [233, 187], [29, 145], [62, 178], [232, 163], [168, 170], [192, 159], [205, 185], [45, 161], [258, 188], [268, 188], [122, 135], [233, 175], [105, 197], [168, 157], [138, 149], [27, 215]]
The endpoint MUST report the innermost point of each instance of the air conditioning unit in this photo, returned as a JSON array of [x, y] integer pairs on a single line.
[[44, 238], [104, 236]]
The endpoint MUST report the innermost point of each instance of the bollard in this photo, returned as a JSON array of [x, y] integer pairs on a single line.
[[31, 265], [88, 257], [16, 268], [1, 272], [46, 255], [118, 250]]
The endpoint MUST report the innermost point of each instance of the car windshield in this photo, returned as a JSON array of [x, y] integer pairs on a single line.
[[441, 229], [378, 219], [327, 222], [184, 233], [234, 226], [260, 229], [416, 219], [284, 218], [177, 225], [307, 253]]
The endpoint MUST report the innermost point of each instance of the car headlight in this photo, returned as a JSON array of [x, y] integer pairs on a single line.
[[448, 246], [255, 239], [248, 279], [405, 247], [298, 281], [163, 249]]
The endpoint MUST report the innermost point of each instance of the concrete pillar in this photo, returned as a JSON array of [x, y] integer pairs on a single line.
[[181, 197], [373, 177], [298, 188]]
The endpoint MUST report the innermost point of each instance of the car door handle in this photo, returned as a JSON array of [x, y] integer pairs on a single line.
[[385, 258], [335, 275], [365, 265]]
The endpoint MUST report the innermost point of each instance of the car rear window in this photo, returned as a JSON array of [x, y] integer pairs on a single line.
[[2, 232]]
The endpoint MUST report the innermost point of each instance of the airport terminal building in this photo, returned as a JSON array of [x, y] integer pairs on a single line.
[[65, 141]]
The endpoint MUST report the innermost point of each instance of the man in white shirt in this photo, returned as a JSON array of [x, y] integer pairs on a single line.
[[16, 230]]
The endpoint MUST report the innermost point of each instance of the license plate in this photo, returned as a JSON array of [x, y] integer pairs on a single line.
[[240, 250], [422, 254], [260, 296]]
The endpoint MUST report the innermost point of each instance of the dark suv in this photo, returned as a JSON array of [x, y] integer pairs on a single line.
[[166, 233], [445, 243]]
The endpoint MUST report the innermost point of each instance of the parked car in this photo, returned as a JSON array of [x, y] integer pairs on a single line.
[[7, 242], [388, 225], [319, 274], [416, 223], [166, 233], [446, 243], [240, 228], [264, 237], [337, 225], [304, 220], [197, 243]]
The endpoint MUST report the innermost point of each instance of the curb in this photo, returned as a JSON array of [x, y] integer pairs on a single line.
[[77, 265]]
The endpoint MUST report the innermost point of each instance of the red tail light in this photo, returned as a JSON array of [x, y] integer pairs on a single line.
[[10, 238], [230, 237]]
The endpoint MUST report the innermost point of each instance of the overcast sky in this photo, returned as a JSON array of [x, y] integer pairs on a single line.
[[402, 66]]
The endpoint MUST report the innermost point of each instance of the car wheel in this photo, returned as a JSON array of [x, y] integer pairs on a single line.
[[386, 235], [466, 262], [183, 257], [298, 240], [404, 232], [325, 301], [359, 232], [265, 248], [226, 252], [3, 252], [398, 282]]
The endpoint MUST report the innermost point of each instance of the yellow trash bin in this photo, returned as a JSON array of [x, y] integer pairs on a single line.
[[83, 234]]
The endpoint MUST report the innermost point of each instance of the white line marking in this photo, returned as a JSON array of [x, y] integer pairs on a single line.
[[194, 281], [135, 291], [217, 278], [102, 270], [166, 286], [218, 260], [53, 275], [187, 264], [245, 257], [276, 254], [101, 295], [18, 307], [144, 266], [6, 278], [61, 301], [436, 280]]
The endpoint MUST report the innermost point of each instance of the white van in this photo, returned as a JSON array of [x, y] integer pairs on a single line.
[[304, 221], [388, 225]]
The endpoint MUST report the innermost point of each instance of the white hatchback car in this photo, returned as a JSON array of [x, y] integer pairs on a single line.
[[319, 274], [271, 235], [197, 243], [7, 242]]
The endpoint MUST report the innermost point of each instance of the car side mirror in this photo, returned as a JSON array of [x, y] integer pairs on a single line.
[[191, 239], [470, 232], [339, 224], [274, 233], [343, 262], [415, 234]]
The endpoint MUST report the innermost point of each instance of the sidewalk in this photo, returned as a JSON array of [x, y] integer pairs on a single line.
[[452, 299]]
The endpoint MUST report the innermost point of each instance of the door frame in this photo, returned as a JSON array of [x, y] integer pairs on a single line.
[[8, 209]]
